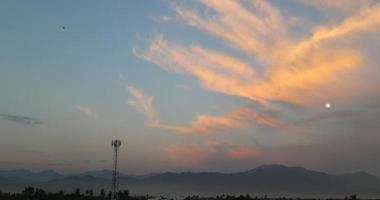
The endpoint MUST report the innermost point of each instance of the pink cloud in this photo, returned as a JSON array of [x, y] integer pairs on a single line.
[[295, 71], [89, 112], [197, 154], [203, 124]]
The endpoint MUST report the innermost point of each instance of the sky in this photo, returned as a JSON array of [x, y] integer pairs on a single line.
[[203, 85]]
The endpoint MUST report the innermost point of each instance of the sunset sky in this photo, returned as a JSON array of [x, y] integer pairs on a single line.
[[204, 85]]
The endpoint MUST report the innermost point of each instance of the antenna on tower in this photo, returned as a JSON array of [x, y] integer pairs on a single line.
[[115, 144]]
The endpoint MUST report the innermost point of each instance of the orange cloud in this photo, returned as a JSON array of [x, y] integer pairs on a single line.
[[198, 154], [237, 119], [257, 32], [223, 73], [295, 71], [204, 124], [143, 104], [216, 71], [367, 18], [300, 82]]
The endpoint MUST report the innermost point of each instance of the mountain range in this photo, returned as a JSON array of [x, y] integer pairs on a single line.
[[271, 180]]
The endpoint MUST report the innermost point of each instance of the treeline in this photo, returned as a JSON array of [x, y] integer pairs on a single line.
[[248, 197], [30, 193]]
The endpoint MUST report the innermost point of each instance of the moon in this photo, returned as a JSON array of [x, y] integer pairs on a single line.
[[328, 105]]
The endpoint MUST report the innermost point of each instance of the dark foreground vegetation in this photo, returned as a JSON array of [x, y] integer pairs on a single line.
[[30, 193], [248, 197]]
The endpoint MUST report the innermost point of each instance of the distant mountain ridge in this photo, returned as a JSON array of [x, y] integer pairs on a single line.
[[273, 180], [29, 175]]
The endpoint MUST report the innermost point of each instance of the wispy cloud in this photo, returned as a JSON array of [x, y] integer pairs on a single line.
[[257, 31], [203, 124], [198, 154], [144, 104], [295, 70], [327, 115], [89, 112], [21, 119], [239, 118], [302, 71], [223, 73]]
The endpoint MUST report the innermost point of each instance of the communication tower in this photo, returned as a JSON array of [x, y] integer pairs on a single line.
[[116, 145]]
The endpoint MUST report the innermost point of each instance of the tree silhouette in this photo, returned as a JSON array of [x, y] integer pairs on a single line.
[[30, 193]]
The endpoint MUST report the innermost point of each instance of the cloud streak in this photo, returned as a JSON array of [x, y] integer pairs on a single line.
[[144, 104], [258, 30], [198, 154], [89, 112], [295, 71], [239, 118], [267, 65], [21, 119], [327, 115], [203, 124], [229, 75]]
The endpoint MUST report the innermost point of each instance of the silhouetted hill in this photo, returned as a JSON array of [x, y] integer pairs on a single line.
[[28, 175], [72, 182], [12, 184], [106, 174], [274, 180]]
